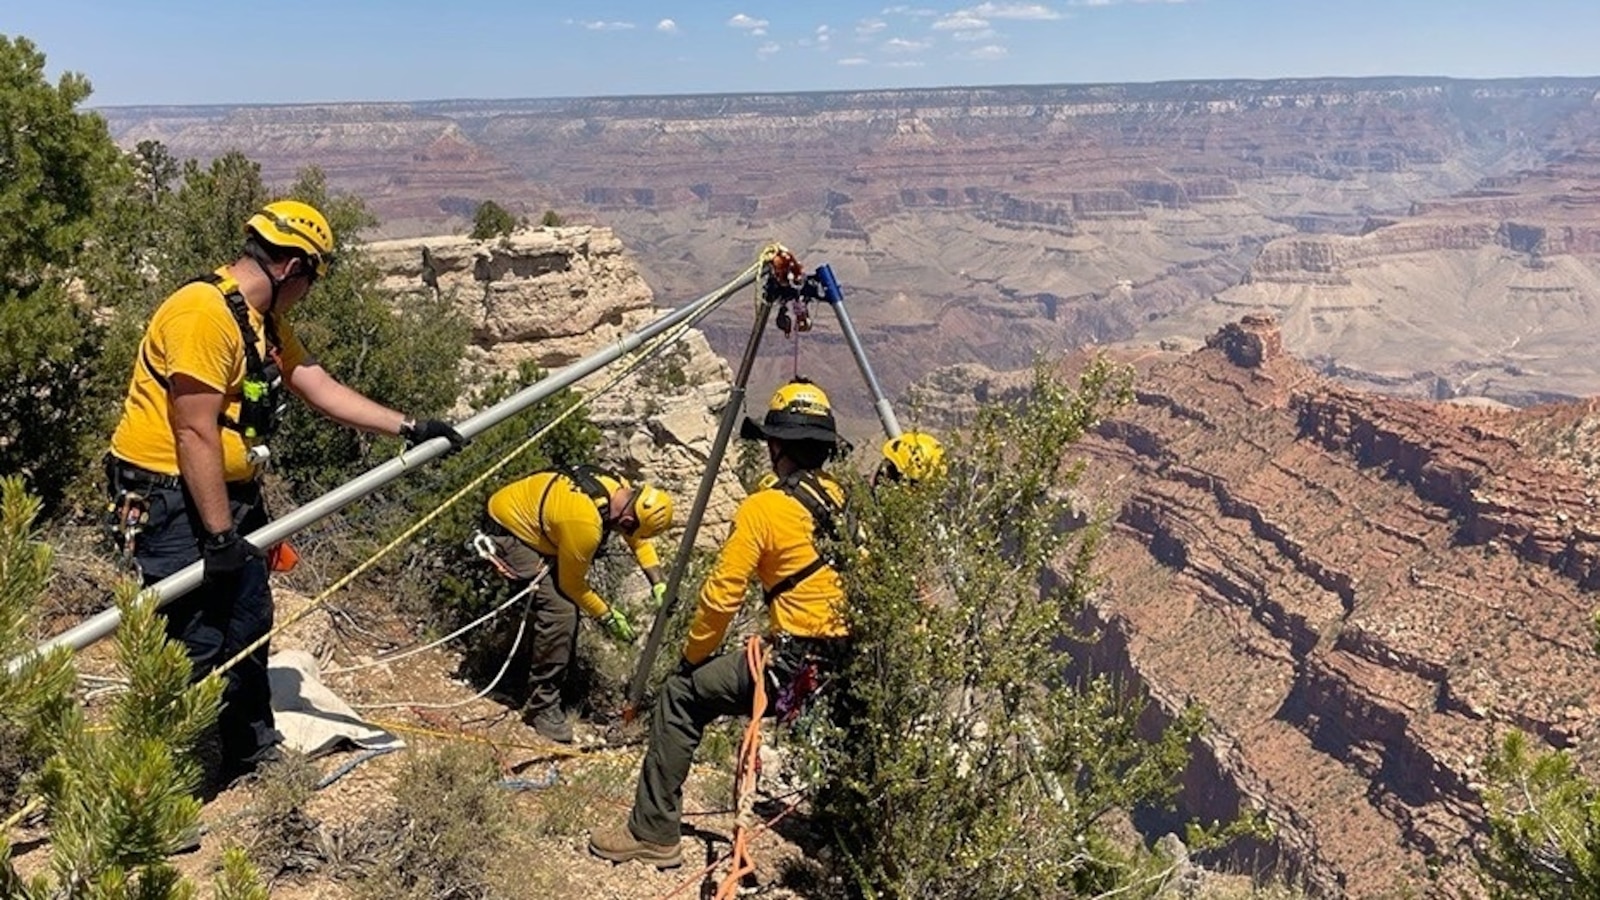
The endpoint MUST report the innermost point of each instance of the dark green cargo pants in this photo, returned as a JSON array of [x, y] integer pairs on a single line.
[[688, 703], [555, 625]]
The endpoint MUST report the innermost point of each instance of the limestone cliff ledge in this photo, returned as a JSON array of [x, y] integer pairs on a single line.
[[556, 295]]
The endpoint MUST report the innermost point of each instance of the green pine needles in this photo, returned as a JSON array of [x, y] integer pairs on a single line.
[[118, 794]]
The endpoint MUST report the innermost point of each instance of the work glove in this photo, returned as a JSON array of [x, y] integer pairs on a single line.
[[426, 430], [225, 555], [658, 596], [616, 624]]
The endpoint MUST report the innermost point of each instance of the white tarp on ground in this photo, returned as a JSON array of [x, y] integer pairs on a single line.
[[312, 718]]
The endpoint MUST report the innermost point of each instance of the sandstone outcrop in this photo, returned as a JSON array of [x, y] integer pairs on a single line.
[[552, 296], [1366, 593]]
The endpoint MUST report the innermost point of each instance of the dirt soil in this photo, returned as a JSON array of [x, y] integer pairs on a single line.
[[546, 853]]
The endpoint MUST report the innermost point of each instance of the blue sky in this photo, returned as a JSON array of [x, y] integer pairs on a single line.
[[295, 51]]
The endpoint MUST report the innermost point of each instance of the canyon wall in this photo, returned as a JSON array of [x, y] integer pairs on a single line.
[[552, 296], [1365, 593], [978, 225]]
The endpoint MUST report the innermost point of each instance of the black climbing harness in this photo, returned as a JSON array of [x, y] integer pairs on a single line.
[[262, 398]]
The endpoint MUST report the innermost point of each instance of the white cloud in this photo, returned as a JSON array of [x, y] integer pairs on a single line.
[[853, 61], [608, 26], [1116, 2], [960, 20], [982, 34], [1013, 11], [905, 64], [916, 12], [748, 23], [866, 28], [767, 49], [667, 26], [984, 53], [901, 45]]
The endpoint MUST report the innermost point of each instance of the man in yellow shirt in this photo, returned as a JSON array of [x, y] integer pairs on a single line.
[[773, 540], [561, 519], [206, 393]]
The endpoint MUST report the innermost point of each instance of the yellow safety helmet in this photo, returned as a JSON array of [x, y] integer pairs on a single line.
[[296, 226], [653, 508], [799, 411], [914, 455]]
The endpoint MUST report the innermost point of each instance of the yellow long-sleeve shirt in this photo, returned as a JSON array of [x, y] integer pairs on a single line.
[[550, 513], [772, 538]]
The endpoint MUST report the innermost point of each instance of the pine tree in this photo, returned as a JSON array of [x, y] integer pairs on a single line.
[[35, 698], [56, 163], [119, 795]]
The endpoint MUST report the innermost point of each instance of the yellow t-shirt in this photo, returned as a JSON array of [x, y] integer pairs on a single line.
[[193, 332], [564, 523], [772, 538]]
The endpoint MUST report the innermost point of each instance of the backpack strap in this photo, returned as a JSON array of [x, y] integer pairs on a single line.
[[255, 369], [806, 487], [587, 480]]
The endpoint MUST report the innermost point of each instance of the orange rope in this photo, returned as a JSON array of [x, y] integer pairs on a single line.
[[746, 772], [708, 869]]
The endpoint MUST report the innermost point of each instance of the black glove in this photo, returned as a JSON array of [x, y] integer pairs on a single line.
[[426, 430], [225, 555]]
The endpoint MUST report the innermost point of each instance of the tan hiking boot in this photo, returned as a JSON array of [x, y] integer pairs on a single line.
[[619, 845]]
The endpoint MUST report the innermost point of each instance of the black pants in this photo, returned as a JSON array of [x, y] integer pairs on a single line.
[[219, 618]]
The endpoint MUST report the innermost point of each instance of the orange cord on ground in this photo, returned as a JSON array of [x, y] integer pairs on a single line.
[[746, 772]]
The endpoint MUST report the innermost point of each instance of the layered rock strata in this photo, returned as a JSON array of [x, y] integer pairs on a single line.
[[552, 296], [1365, 593]]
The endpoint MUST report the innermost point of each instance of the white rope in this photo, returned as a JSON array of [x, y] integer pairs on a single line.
[[510, 655], [447, 638]]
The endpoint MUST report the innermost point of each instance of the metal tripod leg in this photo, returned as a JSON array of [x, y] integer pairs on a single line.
[[834, 297], [680, 562]]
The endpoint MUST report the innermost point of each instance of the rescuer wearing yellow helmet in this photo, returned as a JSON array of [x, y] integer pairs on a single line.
[[913, 456], [774, 539], [561, 519], [207, 390]]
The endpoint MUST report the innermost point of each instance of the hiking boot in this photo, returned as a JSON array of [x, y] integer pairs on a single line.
[[619, 845], [552, 723]]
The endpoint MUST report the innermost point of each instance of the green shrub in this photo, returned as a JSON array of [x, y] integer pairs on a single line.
[[492, 220], [1544, 825], [967, 763], [444, 834]]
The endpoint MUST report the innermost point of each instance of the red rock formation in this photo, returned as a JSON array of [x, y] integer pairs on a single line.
[[1364, 592]]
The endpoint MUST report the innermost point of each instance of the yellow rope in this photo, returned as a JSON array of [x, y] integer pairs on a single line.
[[645, 353], [546, 749], [27, 810]]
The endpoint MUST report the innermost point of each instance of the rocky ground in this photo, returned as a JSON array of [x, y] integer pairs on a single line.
[[556, 793]]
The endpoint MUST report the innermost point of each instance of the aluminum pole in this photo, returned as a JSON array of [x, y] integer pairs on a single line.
[[835, 298], [680, 562], [102, 624]]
